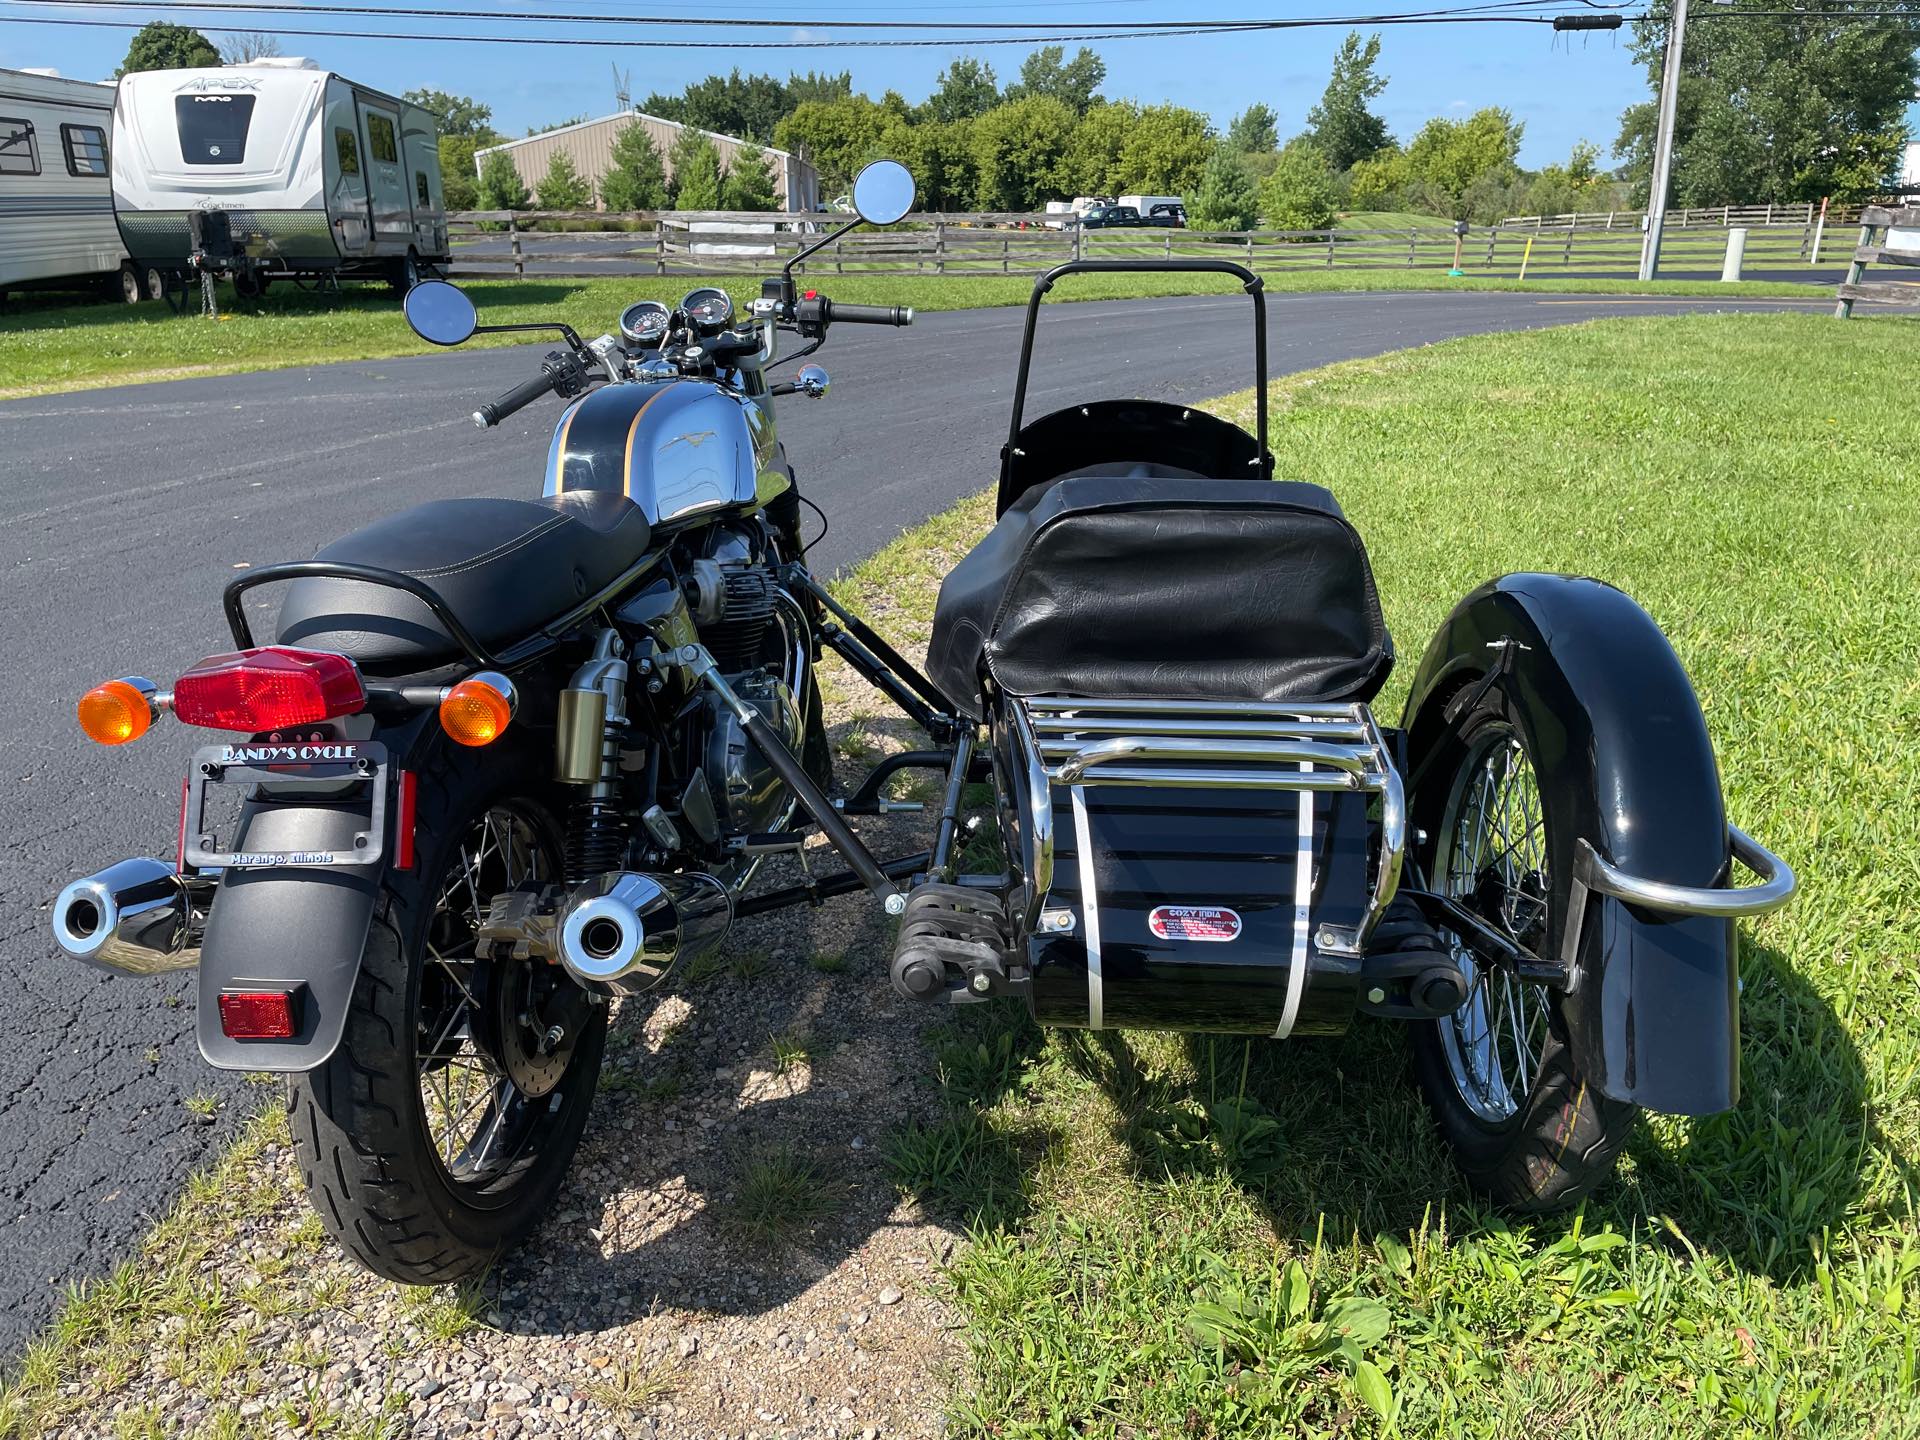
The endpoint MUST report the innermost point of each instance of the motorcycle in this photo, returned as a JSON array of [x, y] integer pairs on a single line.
[[504, 760]]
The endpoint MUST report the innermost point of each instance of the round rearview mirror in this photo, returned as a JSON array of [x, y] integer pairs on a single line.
[[883, 192], [440, 313]]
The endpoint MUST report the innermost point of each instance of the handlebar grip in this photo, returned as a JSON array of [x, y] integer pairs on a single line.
[[870, 314], [520, 396]]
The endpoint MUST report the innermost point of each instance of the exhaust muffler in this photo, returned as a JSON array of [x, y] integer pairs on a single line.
[[135, 918], [627, 931]]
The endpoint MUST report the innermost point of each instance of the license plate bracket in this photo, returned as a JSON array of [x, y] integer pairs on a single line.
[[323, 767]]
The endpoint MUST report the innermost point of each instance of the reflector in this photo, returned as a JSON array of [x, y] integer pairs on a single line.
[[476, 711], [257, 1015], [115, 713], [268, 689]]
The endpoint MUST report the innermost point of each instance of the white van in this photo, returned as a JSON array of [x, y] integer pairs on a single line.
[[56, 202], [275, 168]]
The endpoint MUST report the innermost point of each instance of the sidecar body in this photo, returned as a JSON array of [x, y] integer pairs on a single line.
[[1173, 658]]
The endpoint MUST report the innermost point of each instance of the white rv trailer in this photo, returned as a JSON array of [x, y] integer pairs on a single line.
[[56, 202], [275, 168]]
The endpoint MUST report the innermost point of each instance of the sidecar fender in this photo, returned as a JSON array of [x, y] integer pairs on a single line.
[[1615, 732]]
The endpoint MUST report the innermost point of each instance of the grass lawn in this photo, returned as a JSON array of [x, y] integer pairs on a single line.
[[49, 349], [1389, 220], [1163, 1225]]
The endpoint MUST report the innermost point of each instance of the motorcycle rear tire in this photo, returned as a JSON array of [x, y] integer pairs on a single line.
[[1559, 1138], [360, 1126]]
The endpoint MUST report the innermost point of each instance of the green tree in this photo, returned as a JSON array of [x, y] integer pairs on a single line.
[[940, 157], [563, 187], [802, 89], [636, 177], [455, 114], [1226, 199], [1165, 151], [1774, 108], [1299, 194], [1019, 152], [836, 137], [1047, 71], [1450, 158], [1092, 163], [553, 125], [1254, 130], [744, 106], [1341, 125], [243, 46], [1379, 181], [749, 183], [696, 172], [160, 46], [456, 170], [964, 90], [501, 187]]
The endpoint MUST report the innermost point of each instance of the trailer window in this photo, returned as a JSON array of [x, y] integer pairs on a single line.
[[213, 128], [86, 148], [347, 147], [380, 139], [19, 153], [420, 190]]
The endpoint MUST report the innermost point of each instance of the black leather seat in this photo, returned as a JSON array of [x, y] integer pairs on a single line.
[[504, 567], [1155, 587]]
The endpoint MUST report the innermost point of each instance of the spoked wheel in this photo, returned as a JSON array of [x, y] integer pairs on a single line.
[[1523, 1124], [439, 1131]]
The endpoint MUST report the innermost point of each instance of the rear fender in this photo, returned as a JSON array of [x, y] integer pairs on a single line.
[[1616, 730], [296, 928]]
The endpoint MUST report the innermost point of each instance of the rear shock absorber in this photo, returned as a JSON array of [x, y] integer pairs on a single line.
[[592, 718]]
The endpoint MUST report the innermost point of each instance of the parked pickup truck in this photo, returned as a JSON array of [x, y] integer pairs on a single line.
[[1110, 217], [1168, 216]]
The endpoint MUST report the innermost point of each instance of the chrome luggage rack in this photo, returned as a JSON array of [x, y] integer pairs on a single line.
[[1305, 746]]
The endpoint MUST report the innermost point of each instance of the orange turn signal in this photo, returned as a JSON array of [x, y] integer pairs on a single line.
[[476, 711], [116, 712]]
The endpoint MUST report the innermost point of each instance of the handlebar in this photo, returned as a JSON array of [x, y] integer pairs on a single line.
[[519, 397], [869, 314]]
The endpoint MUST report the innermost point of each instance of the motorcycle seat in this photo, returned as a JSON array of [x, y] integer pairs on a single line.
[[1151, 586], [504, 567]]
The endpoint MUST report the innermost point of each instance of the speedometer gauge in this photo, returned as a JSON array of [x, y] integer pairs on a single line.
[[645, 322], [709, 309]]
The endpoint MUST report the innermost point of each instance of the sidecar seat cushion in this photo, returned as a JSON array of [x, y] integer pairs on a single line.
[[1158, 588]]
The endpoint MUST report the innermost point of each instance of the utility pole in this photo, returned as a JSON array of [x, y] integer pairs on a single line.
[[1663, 143]]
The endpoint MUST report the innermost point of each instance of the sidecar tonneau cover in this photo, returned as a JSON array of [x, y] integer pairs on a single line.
[[1152, 587]]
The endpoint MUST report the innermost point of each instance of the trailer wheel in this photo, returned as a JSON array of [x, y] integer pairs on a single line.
[[406, 272], [131, 289], [249, 284], [157, 283]]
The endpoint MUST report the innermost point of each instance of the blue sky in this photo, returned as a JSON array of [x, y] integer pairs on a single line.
[[1565, 88]]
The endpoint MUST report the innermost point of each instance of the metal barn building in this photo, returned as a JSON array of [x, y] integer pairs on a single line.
[[590, 146]]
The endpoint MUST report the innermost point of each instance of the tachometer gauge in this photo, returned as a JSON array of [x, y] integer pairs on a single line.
[[709, 309], [645, 323]]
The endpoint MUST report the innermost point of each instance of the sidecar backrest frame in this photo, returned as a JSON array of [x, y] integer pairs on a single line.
[[1251, 283]]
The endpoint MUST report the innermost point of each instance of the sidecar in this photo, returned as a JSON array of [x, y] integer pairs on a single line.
[[1173, 656]]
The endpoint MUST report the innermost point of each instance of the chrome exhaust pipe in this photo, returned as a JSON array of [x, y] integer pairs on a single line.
[[627, 931], [135, 918]]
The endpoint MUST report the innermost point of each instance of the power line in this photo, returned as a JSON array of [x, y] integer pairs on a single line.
[[387, 11], [945, 42]]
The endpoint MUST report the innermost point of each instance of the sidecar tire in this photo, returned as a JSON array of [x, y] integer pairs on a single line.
[[360, 1131], [1563, 1139]]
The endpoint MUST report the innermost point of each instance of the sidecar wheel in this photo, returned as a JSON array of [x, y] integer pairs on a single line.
[[437, 1134], [1523, 1124]]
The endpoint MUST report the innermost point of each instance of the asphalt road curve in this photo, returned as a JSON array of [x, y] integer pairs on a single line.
[[124, 511]]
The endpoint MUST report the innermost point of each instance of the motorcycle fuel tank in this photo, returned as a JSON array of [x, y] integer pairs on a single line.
[[677, 449]]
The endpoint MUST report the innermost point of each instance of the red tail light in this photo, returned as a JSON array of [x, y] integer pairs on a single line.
[[258, 1015], [268, 689]]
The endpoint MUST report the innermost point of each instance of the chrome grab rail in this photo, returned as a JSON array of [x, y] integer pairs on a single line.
[[1776, 887], [1351, 762], [1219, 745]]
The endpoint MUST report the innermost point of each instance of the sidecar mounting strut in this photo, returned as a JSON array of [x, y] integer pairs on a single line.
[[698, 663]]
